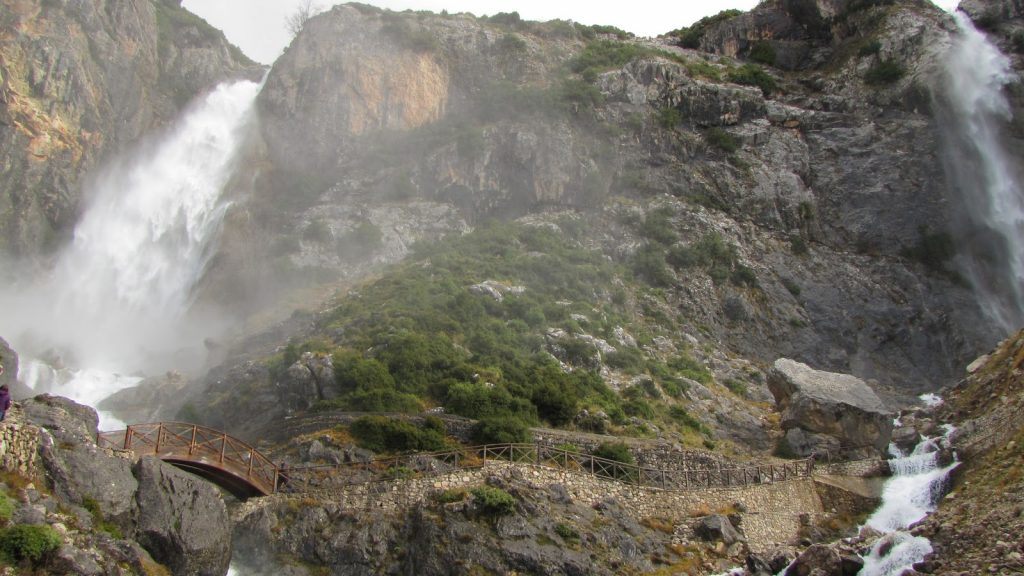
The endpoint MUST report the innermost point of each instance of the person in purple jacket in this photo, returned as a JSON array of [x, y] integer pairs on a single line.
[[5, 401]]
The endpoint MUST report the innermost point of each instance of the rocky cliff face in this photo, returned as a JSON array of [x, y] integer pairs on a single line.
[[384, 129], [79, 82]]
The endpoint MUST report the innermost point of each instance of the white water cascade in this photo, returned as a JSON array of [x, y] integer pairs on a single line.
[[986, 176], [118, 299], [910, 495]]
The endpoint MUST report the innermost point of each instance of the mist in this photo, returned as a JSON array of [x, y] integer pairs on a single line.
[[117, 302]]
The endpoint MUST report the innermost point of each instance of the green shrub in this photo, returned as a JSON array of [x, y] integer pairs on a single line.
[[493, 501], [692, 36], [722, 140], [884, 72], [649, 264], [870, 49], [679, 414], [383, 434], [798, 246], [501, 430], [6, 508], [763, 52], [690, 368], [567, 533], [628, 359], [754, 75], [32, 543], [449, 496], [614, 451], [743, 275], [603, 55], [669, 118], [737, 387]]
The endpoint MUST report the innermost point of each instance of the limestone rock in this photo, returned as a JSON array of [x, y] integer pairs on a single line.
[[77, 469], [182, 520], [837, 405], [817, 560], [717, 528]]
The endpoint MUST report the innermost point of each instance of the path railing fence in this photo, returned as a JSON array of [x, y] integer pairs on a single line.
[[318, 478]]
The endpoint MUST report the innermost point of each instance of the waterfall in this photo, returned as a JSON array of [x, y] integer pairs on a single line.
[[986, 176], [117, 299], [911, 494]]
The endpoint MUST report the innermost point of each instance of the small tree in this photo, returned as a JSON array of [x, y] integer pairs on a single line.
[[297, 19]]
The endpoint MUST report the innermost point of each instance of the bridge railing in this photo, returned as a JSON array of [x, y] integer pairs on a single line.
[[307, 478], [199, 444]]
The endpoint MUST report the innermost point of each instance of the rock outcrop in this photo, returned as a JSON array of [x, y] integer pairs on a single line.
[[839, 407], [112, 512], [181, 520]]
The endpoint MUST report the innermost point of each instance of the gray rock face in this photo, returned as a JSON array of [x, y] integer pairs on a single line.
[[78, 470], [182, 520], [836, 405], [9, 359]]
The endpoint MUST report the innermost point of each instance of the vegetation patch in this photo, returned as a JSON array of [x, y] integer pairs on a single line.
[[691, 37], [754, 75], [567, 533], [28, 543], [384, 434], [763, 52], [493, 501], [884, 72]]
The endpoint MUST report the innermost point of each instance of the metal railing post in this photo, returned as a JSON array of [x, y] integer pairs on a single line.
[[159, 433], [192, 445]]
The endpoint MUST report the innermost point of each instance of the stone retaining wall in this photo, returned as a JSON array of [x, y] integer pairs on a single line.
[[772, 511], [18, 443], [860, 468]]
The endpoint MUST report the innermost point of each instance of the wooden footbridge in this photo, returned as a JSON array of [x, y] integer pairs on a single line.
[[242, 470], [214, 455]]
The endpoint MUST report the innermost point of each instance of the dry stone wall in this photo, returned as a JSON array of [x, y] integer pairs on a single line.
[[771, 511], [18, 442]]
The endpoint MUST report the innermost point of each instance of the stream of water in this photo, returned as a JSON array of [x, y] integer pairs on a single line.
[[117, 301], [909, 495]]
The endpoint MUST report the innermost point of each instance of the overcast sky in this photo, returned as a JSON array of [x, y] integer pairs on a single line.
[[257, 26]]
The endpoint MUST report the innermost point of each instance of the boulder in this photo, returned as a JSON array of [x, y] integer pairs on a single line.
[[77, 469], [716, 528], [182, 520], [837, 405], [819, 560]]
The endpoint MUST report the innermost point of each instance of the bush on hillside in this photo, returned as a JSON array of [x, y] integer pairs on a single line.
[[383, 434]]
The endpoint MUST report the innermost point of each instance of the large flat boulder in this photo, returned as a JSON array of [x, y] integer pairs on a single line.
[[839, 406], [182, 520]]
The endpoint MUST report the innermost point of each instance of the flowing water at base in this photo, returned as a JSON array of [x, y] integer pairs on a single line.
[[911, 494]]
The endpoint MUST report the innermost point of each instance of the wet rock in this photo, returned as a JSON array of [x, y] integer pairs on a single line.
[[817, 560]]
